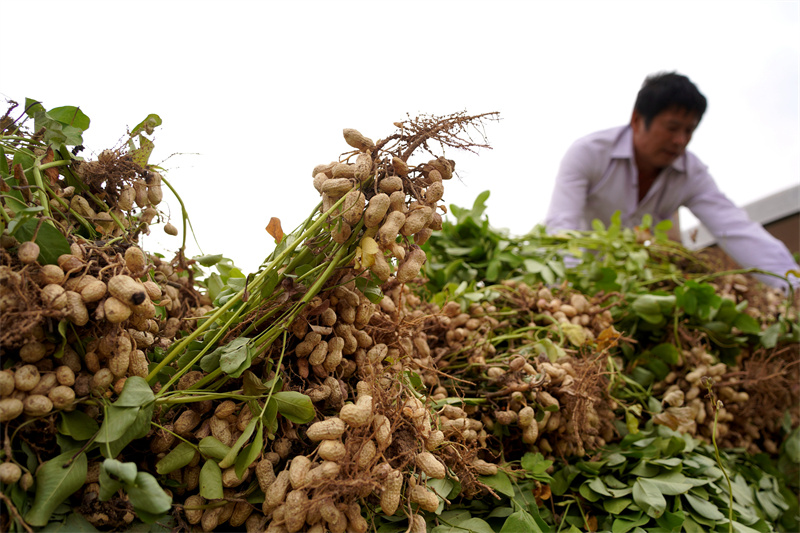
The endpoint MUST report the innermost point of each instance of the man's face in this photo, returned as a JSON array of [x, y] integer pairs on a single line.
[[666, 138]]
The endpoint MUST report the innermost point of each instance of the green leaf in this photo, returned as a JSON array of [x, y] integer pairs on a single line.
[[667, 352], [563, 478], [452, 518], [613, 483], [370, 289], [211, 447], [442, 487], [606, 280], [586, 491], [211, 481], [500, 483], [742, 492], [648, 496], [125, 472], [208, 260], [270, 416], [550, 349], [109, 485], [615, 459], [414, 379], [646, 305], [230, 457], [520, 521], [690, 526], [180, 456], [251, 452], [295, 406], [500, 512], [623, 525], [70, 115], [116, 423], [137, 430], [747, 324], [148, 125], [597, 485], [672, 521], [129, 417], [135, 393], [644, 469], [472, 525], [77, 425], [251, 385], [148, 498], [704, 508], [535, 463], [616, 505], [769, 337], [51, 242], [235, 357], [668, 462], [738, 527], [671, 483], [770, 509], [792, 445], [621, 493], [54, 484]]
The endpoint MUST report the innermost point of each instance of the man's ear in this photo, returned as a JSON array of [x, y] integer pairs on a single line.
[[634, 118], [637, 121]]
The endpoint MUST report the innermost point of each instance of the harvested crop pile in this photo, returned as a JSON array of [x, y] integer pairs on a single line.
[[385, 369], [82, 307], [321, 360]]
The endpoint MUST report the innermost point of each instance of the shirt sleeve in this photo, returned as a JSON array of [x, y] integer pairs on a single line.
[[568, 201], [744, 240]]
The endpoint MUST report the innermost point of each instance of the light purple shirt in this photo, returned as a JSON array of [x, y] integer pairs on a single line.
[[598, 176]]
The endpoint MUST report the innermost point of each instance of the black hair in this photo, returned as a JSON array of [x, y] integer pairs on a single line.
[[666, 90]]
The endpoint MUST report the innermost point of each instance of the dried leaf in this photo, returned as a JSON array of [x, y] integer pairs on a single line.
[[22, 182], [681, 419], [542, 492], [51, 173], [608, 338], [274, 229]]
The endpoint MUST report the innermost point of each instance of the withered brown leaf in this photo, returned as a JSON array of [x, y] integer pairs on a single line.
[[274, 229]]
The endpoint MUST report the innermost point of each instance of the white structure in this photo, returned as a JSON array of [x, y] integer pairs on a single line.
[[778, 213]]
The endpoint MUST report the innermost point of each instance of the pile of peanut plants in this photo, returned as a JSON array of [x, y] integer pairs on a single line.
[[637, 350], [390, 367]]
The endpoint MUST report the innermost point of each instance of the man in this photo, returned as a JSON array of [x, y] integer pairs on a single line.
[[644, 168]]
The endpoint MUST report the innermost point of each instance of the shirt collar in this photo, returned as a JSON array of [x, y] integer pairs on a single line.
[[623, 149]]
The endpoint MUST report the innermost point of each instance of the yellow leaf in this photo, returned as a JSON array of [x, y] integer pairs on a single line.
[[368, 250], [575, 334], [357, 258], [369, 245]]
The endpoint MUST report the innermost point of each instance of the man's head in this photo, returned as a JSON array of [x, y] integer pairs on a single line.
[[668, 108], [668, 90]]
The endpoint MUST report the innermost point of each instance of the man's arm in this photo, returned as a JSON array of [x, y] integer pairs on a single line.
[[746, 241], [569, 195]]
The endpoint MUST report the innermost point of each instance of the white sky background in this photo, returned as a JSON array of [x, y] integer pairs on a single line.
[[253, 94]]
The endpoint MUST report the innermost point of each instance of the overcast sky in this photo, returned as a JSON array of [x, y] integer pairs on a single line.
[[253, 95]]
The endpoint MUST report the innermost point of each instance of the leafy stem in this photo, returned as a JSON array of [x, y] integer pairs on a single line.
[[40, 191], [717, 404]]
